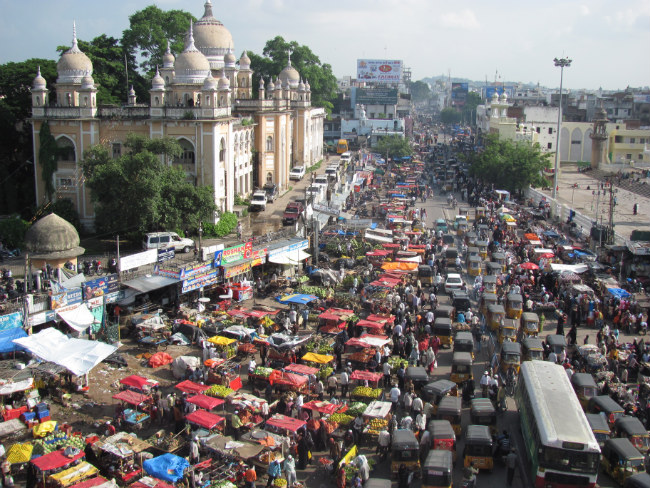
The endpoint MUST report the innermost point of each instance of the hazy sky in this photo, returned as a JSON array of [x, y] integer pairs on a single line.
[[608, 41]]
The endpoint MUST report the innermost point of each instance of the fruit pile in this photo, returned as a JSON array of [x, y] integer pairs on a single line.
[[219, 391], [341, 418], [356, 408], [325, 373], [262, 371], [395, 362], [56, 441], [279, 482], [366, 392], [376, 425]]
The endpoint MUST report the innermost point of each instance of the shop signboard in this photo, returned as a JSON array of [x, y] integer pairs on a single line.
[[294, 246], [218, 256], [237, 253], [376, 96], [11, 321], [209, 278], [166, 254], [66, 298], [167, 273], [259, 257], [113, 297], [195, 269], [137, 260], [41, 318], [379, 70], [207, 250], [326, 210], [100, 286], [237, 270]]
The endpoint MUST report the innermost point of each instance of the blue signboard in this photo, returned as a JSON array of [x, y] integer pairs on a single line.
[[66, 298], [217, 258], [100, 286], [197, 282], [11, 321]]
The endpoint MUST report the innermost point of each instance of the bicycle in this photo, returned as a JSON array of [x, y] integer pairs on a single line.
[[511, 384]]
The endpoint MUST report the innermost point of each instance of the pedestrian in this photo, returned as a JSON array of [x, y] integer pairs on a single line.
[[250, 476], [290, 470], [511, 465], [274, 471]]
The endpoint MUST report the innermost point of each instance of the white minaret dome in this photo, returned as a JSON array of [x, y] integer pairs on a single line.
[[73, 64]]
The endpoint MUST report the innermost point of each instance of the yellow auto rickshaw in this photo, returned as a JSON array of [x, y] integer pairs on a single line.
[[435, 391], [620, 460], [450, 408], [529, 324], [487, 299], [500, 259], [444, 311], [480, 212], [482, 248], [442, 328], [464, 342], [532, 349], [483, 412], [510, 356], [632, 429], [461, 227], [585, 387], [508, 331], [599, 427], [478, 447], [472, 250], [514, 305], [437, 471], [493, 268], [425, 274], [474, 266], [405, 449], [443, 437], [496, 316], [490, 284], [461, 367]]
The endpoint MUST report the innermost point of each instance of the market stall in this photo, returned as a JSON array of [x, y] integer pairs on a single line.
[[53, 462], [205, 420], [361, 377], [137, 416], [121, 451], [226, 346], [206, 402], [188, 387], [73, 474], [376, 418], [288, 381], [138, 383], [282, 423]]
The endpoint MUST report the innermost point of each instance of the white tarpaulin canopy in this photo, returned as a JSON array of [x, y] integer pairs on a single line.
[[78, 356], [574, 268], [9, 388], [79, 318], [293, 257]]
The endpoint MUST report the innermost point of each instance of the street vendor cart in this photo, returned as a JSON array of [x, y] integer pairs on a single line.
[[55, 462], [122, 450], [226, 346], [140, 414]]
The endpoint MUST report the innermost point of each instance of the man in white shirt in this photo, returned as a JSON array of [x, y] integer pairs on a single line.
[[345, 382], [387, 370], [299, 403], [394, 397], [397, 331], [552, 357], [417, 406], [485, 383]]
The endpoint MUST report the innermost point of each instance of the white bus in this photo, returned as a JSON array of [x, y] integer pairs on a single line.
[[559, 443]]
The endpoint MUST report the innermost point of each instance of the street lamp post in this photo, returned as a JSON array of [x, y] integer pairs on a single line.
[[562, 63]]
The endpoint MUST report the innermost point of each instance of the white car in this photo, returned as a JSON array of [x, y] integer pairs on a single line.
[[164, 240], [297, 173], [258, 201], [453, 282]]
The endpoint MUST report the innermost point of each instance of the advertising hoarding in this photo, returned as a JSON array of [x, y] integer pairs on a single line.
[[100, 286], [379, 70], [137, 260], [459, 94], [376, 96]]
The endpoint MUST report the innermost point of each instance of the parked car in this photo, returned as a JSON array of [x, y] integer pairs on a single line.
[[165, 240], [272, 192], [297, 173], [332, 173], [317, 192], [322, 180], [453, 282], [292, 213], [258, 201]]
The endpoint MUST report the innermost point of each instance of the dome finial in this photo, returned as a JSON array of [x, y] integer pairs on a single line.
[[190, 39], [289, 60], [208, 9], [168, 51], [38, 70], [74, 33]]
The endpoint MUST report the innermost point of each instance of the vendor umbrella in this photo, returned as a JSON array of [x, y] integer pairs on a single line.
[[528, 266]]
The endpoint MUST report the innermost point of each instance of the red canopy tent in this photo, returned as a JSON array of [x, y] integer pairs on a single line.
[[381, 319], [340, 311], [379, 252], [384, 284], [390, 246], [289, 379], [206, 402], [55, 460], [188, 386], [365, 375], [322, 407], [329, 316], [204, 419], [131, 397], [301, 369], [90, 483], [370, 325], [139, 382], [285, 423]]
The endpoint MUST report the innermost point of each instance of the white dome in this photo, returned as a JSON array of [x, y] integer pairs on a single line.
[[290, 74], [168, 58], [244, 61], [504, 96], [191, 65], [224, 82], [301, 86], [39, 82], [229, 59], [157, 83], [271, 85], [210, 84], [73, 64], [87, 83], [212, 38]]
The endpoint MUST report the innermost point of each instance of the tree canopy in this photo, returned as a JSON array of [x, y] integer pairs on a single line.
[[449, 116], [420, 91], [508, 164], [394, 146], [158, 195], [274, 59]]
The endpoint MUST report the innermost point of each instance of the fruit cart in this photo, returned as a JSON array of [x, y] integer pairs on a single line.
[[227, 455], [206, 402], [281, 423], [219, 391], [122, 452], [166, 442], [324, 407], [136, 417], [202, 419], [74, 474], [283, 380], [260, 375], [366, 394], [376, 416], [226, 346], [360, 377], [322, 363], [52, 462], [190, 387]]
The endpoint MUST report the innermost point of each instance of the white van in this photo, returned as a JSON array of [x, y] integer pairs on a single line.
[[346, 157], [164, 240]]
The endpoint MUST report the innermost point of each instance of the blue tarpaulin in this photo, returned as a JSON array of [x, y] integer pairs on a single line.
[[398, 195], [167, 467], [6, 338], [619, 292], [551, 234], [297, 298]]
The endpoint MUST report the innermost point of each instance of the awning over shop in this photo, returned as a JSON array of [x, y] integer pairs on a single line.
[[291, 258], [572, 268], [145, 284], [79, 318]]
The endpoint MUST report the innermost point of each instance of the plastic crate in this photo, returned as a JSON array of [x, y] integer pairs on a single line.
[[27, 416], [41, 406], [42, 414], [45, 419]]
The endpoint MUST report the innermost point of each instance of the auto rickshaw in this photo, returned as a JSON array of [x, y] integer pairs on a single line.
[[460, 302], [418, 376], [437, 390], [500, 259], [444, 311], [482, 249], [640, 480], [474, 266], [405, 450], [483, 412], [478, 447], [443, 436], [472, 250], [493, 268], [480, 212], [438, 469], [605, 404], [441, 225], [532, 349], [450, 408], [508, 331], [425, 274], [557, 343], [529, 324], [451, 253], [461, 227], [599, 427], [514, 305], [464, 342], [443, 330], [585, 387], [510, 356], [487, 299], [490, 284], [496, 314], [620, 460], [461, 367], [632, 429]]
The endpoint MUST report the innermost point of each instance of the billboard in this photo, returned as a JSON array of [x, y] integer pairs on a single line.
[[491, 90], [459, 94], [376, 96], [100, 286], [379, 70]]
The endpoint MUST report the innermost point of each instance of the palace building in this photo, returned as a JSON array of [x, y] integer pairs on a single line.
[[203, 98]]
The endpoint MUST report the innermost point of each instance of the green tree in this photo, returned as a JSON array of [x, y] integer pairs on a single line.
[[150, 29], [64, 208], [274, 59], [420, 91], [158, 195], [394, 147], [48, 156], [509, 165], [449, 116], [473, 100]]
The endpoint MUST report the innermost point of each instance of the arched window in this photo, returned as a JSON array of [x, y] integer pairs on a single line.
[[269, 177], [38, 101], [222, 150], [269, 143], [156, 101], [67, 152]]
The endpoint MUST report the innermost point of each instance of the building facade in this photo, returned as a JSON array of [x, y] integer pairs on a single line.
[[203, 98]]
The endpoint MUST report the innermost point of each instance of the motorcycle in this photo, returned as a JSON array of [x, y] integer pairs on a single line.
[[97, 266]]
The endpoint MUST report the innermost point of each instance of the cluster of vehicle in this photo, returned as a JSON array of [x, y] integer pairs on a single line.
[[260, 198]]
